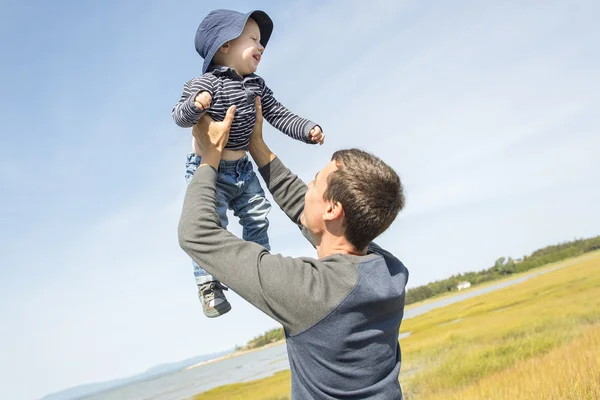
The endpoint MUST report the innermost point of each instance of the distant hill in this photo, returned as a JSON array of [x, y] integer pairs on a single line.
[[81, 391]]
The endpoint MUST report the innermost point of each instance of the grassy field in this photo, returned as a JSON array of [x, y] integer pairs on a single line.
[[470, 347], [536, 340]]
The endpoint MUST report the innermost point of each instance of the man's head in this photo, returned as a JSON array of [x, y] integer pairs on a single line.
[[217, 39], [357, 192]]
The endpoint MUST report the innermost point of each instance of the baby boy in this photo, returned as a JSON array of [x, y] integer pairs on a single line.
[[232, 44]]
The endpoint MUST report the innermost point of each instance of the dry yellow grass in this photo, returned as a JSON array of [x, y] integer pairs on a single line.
[[276, 387], [452, 348], [568, 372]]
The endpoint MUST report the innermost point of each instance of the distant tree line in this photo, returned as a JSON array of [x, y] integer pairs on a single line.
[[505, 266], [270, 336]]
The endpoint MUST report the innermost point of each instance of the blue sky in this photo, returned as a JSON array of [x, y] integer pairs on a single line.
[[488, 110]]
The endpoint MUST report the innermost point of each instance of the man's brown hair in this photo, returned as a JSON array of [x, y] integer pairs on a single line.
[[370, 192]]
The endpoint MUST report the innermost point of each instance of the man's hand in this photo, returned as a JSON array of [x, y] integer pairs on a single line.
[[212, 137], [258, 125], [203, 100], [259, 151], [316, 135]]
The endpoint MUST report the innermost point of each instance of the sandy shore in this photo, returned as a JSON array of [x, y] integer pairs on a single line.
[[234, 354]]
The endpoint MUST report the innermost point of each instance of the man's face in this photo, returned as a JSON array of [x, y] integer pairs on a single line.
[[314, 204], [245, 51]]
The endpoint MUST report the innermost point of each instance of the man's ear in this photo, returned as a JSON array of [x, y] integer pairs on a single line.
[[334, 211], [225, 48]]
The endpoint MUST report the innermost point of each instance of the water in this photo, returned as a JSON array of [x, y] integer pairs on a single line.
[[186, 383], [262, 363], [422, 309]]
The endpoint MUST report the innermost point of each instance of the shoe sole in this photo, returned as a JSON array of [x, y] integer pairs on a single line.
[[218, 311]]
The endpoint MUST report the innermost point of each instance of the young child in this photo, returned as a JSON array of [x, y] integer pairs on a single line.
[[231, 44]]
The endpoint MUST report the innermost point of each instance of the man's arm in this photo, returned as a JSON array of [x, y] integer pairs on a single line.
[[296, 292], [185, 113], [284, 120], [287, 189]]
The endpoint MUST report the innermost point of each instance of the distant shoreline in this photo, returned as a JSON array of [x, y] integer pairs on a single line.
[[236, 353]]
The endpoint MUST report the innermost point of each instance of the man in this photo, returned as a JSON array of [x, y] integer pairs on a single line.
[[341, 312]]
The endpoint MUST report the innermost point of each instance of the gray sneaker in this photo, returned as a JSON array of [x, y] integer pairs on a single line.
[[214, 302]]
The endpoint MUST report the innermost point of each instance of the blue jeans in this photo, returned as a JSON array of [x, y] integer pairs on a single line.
[[238, 189]]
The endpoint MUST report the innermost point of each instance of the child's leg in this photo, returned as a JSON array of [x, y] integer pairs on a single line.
[[252, 207], [210, 291]]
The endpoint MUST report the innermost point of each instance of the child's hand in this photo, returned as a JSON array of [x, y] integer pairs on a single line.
[[203, 100], [316, 135]]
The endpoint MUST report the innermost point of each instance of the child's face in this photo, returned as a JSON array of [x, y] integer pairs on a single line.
[[243, 53]]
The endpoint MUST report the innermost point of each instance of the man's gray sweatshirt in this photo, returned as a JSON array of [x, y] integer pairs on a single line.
[[341, 314]]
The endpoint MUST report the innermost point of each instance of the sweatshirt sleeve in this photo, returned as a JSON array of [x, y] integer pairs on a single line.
[[287, 189], [185, 113], [288, 192], [283, 119], [296, 292]]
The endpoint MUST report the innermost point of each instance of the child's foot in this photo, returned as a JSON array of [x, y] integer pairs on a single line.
[[214, 302]]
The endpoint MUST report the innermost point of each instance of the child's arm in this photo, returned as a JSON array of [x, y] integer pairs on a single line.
[[195, 100], [287, 122]]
